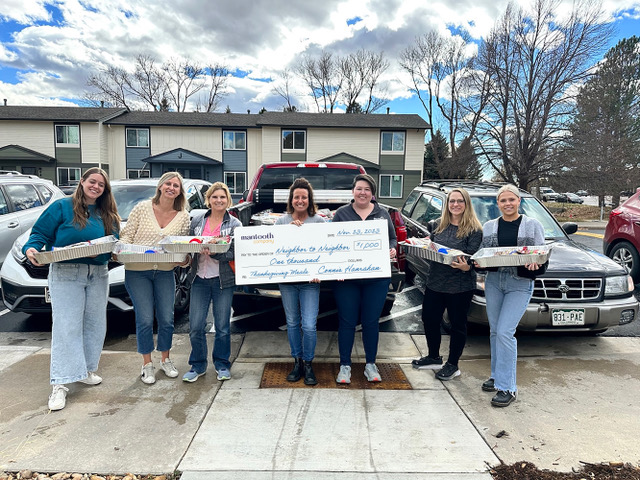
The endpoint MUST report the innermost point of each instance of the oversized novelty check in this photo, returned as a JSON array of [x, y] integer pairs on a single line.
[[328, 251]]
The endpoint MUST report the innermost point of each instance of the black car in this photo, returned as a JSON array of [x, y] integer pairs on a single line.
[[582, 290]]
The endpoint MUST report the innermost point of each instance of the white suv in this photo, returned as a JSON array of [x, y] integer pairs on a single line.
[[24, 284], [22, 199]]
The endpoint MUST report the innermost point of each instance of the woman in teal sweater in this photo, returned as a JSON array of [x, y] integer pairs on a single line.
[[79, 287]]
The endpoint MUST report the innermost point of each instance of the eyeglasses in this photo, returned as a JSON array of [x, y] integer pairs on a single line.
[[456, 200]]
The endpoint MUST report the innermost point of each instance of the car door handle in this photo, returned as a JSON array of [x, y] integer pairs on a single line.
[[13, 225]]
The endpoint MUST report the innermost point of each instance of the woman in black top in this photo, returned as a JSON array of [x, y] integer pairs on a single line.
[[450, 287]]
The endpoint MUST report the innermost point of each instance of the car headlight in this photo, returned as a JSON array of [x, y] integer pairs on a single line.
[[16, 251], [618, 285]]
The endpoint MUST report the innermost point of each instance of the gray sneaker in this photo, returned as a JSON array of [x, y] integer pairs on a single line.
[[148, 374], [372, 373], [224, 374], [169, 368], [344, 376], [58, 397]]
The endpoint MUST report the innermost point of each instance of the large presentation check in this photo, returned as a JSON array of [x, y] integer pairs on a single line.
[[328, 251]]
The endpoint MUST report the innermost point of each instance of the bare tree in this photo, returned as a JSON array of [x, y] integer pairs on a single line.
[[531, 61], [361, 72], [148, 85], [216, 76], [111, 86], [284, 89], [182, 79], [324, 78]]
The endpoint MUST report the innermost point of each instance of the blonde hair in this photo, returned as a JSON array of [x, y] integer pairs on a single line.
[[469, 222], [213, 188], [180, 202], [508, 188]]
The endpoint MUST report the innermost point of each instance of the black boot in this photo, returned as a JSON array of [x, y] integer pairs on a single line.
[[309, 376], [297, 372]]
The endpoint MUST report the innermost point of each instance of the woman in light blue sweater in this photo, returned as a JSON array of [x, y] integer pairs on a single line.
[[508, 291], [78, 287]]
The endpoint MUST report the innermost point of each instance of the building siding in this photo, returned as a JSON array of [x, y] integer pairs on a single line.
[[38, 136], [68, 156], [89, 143], [414, 150], [254, 152], [391, 162], [270, 145], [234, 160], [205, 141], [135, 156], [325, 142], [116, 151]]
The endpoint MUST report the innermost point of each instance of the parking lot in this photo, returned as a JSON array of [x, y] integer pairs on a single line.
[[269, 316]]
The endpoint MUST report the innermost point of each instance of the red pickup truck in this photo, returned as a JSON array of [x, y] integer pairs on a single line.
[[268, 193]]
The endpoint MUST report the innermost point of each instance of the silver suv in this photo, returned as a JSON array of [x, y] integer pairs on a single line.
[[22, 199], [581, 291], [24, 286]]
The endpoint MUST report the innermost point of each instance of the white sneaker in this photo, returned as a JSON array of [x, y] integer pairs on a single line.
[[148, 373], [58, 397], [169, 368], [344, 376], [372, 373], [92, 379]]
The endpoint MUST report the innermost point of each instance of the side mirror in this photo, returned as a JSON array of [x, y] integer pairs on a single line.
[[245, 194], [570, 227]]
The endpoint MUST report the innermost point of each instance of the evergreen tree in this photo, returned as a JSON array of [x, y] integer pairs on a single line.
[[604, 146], [432, 167]]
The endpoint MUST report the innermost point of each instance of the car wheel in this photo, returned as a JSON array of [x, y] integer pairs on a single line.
[[182, 294], [626, 255]]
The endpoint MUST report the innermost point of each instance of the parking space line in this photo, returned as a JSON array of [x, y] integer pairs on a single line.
[[589, 234], [4, 311], [247, 315]]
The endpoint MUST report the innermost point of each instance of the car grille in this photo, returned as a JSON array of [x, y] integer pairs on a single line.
[[567, 289]]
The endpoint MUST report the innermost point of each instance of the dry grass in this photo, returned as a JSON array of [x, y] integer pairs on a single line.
[[569, 212]]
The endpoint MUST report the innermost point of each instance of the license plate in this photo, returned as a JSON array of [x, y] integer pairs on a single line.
[[561, 317], [47, 296]]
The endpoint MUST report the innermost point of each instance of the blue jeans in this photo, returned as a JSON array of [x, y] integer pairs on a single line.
[[203, 292], [152, 290], [300, 302], [360, 301], [507, 299], [79, 312]]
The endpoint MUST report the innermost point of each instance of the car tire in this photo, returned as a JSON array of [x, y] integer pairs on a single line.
[[183, 290], [626, 255]]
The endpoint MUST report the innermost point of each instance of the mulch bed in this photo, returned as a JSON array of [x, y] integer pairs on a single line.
[[589, 471]]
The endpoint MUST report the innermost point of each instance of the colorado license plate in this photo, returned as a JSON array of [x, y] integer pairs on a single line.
[[47, 295], [561, 317]]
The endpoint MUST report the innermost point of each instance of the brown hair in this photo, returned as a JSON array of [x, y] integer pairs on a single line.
[[303, 183], [105, 204], [213, 188], [469, 222], [180, 202], [367, 178]]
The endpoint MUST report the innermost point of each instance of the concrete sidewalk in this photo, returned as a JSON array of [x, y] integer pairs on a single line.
[[577, 402]]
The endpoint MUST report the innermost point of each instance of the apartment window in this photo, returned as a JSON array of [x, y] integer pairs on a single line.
[[392, 142], [138, 174], [236, 181], [68, 176], [67, 135], [235, 140], [138, 137], [293, 140], [391, 186]]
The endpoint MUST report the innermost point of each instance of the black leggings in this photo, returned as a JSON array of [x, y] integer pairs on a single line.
[[457, 306]]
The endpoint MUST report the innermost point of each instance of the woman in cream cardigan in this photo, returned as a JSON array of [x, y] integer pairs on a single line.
[[152, 286]]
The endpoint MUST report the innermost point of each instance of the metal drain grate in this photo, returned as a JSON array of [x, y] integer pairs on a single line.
[[393, 378]]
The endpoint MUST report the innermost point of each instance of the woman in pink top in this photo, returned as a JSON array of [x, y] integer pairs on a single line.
[[213, 282]]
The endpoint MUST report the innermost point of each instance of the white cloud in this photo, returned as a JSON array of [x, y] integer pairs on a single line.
[[256, 36]]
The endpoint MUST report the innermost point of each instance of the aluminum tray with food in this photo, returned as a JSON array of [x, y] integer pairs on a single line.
[[129, 253], [425, 248], [193, 244], [511, 256], [91, 248]]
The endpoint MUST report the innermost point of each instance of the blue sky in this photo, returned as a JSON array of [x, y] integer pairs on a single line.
[[49, 47]]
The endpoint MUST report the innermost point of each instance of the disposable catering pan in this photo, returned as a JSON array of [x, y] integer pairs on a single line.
[[430, 251], [511, 256], [182, 244], [128, 253], [81, 250]]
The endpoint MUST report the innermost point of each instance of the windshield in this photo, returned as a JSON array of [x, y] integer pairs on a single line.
[[487, 209], [128, 196]]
